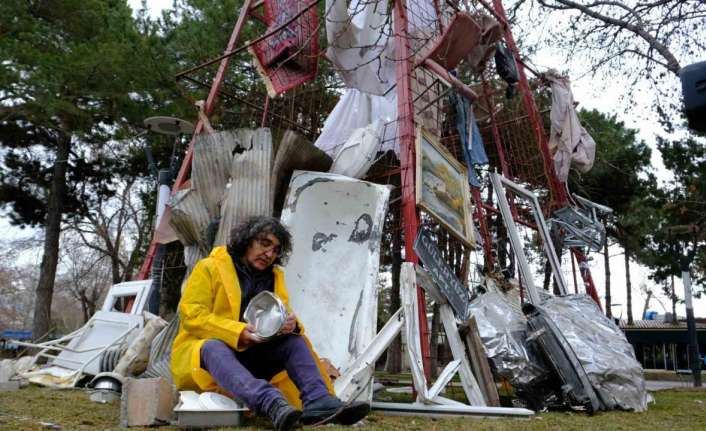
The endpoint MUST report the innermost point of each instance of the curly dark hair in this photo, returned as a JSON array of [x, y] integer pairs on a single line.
[[244, 233]]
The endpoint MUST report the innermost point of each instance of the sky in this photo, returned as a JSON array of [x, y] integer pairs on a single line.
[[605, 97]]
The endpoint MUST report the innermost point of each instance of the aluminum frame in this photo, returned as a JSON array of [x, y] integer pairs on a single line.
[[499, 184]]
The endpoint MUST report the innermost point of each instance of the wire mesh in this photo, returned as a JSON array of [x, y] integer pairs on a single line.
[[258, 70]]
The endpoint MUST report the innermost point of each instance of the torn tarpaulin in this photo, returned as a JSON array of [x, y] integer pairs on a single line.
[[569, 142], [289, 56]]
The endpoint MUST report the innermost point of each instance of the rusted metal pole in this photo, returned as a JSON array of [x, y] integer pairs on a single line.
[[406, 139], [560, 197], [185, 168]]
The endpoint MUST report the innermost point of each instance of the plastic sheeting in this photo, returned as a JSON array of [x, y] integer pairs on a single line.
[[357, 110], [570, 144], [503, 330], [358, 36], [602, 349], [360, 47], [357, 155]]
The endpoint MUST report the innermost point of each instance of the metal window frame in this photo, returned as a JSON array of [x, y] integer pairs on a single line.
[[500, 183]]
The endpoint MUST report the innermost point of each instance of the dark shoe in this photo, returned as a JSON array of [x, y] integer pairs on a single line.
[[331, 409], [284, 417]]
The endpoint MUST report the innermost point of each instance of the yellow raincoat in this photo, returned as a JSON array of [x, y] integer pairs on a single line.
[[210, 309]]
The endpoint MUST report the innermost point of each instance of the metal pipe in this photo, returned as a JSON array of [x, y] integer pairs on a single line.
[[452, 81], [695, 359], [406, 139]]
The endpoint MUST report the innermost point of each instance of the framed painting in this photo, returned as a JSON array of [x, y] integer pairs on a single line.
[[442, 188]]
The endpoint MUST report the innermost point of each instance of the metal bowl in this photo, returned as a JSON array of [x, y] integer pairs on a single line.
[[266, 313]]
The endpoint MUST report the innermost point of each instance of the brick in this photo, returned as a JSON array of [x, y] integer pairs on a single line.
[[147, 402]]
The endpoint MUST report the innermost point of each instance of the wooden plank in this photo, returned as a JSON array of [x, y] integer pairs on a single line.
[[468, 381], [479, 362]]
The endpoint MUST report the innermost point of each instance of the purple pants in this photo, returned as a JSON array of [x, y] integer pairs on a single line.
[[246, 374]]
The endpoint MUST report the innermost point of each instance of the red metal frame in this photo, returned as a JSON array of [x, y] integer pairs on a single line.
[[406, 138], [208, 109], [557, 188]]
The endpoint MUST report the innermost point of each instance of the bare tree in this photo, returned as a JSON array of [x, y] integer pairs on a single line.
[[17, 281], [638, 40], [85, 275], [118, 229]]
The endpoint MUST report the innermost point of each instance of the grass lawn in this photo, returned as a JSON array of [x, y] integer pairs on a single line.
[[35, 408]]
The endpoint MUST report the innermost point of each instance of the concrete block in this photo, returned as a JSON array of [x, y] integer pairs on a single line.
[[147, 402], [12, 385]]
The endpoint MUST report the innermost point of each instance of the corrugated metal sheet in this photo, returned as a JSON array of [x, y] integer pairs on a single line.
[[295, 152], [189, 218], [336, 224], [210, 168], [250, 189]]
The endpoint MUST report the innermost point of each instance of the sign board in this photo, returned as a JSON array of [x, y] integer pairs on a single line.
[[450, 286]]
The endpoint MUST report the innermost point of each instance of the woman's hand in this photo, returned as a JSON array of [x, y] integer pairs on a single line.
[[248, 337], [289, 324]]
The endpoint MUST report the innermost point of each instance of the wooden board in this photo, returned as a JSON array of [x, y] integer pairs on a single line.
[[479, 362]]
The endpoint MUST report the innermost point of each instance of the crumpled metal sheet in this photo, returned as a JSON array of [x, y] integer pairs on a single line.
[[189, 218], [602, 349], [250, 192], [294, 152], [503, 330], [210, 168]]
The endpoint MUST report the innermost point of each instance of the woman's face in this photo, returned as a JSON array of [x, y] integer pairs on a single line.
[[262, 252]]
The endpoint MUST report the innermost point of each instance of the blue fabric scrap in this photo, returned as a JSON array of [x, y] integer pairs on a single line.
[[473, 151]]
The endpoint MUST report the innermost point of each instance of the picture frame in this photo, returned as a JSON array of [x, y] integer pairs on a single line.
[[442, 188]]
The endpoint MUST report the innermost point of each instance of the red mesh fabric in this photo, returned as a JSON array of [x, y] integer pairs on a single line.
[[289, 56]]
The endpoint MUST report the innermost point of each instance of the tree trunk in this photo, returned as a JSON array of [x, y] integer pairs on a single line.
[[647, 305], [115, 268], [84, 307], [674, 302], [628, 287], [606, 265], [394, 352], [547, 275], [52, 229]]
